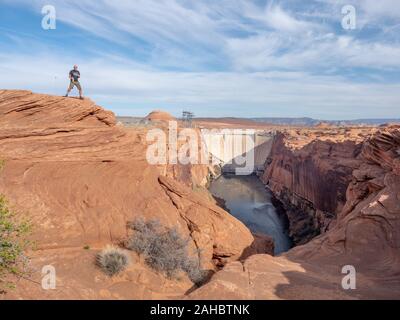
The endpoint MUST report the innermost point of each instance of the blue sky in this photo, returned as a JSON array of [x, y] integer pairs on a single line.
[[243, 58]]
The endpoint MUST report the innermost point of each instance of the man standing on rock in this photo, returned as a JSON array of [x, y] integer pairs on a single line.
[[74, 76]]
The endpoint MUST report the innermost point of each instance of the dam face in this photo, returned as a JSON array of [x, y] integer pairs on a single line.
[[239, 151]]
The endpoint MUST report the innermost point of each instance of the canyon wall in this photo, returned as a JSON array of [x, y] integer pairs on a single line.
[[365, 234], [310, 177]]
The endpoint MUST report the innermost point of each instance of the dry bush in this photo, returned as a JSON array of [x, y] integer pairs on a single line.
[[112, 260], [164, 249]]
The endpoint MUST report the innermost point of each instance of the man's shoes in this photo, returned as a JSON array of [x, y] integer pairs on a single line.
[[66, 96], [82, 98]]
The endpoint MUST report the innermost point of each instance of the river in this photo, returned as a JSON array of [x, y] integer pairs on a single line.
[[249, 201]]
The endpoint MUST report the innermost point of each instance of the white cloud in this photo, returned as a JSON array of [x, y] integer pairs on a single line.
[[380, 9], [278, 57], [275, 17], [131, 90], [196, 34]]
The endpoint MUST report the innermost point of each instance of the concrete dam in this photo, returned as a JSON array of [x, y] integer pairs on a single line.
[[240, 151]]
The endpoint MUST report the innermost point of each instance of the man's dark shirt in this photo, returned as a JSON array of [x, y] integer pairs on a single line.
[[75, 74]]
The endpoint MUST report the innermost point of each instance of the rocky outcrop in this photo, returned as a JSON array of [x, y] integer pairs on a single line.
[[22, 109], [311, 181], [263, 277], [366, 236], [383, 149], [160, 116], [79, 179]]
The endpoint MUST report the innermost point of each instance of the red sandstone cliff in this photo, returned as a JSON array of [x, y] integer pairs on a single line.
[[310, 177], [80, 178]]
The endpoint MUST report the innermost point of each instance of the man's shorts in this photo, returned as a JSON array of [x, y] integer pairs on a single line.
[[76, 84]]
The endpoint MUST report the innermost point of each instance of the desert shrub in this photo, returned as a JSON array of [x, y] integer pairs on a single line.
[[112, 260], [194, 271], [146, 233], [13, 243], [164, 249]]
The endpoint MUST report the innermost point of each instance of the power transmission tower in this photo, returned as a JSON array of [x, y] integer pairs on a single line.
[[187, 118]]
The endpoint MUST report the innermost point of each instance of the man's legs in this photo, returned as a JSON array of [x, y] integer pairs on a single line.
[[71, 86], [78, 85]]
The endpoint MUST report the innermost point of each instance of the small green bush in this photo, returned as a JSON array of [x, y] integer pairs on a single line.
[[165, 250], [112, 260], [13, 243]]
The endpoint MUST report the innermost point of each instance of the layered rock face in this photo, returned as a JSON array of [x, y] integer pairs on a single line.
[[79, 179], [366, 236], [310, 177]]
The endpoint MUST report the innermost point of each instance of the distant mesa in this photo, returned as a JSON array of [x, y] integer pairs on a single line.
[[159, 115]]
